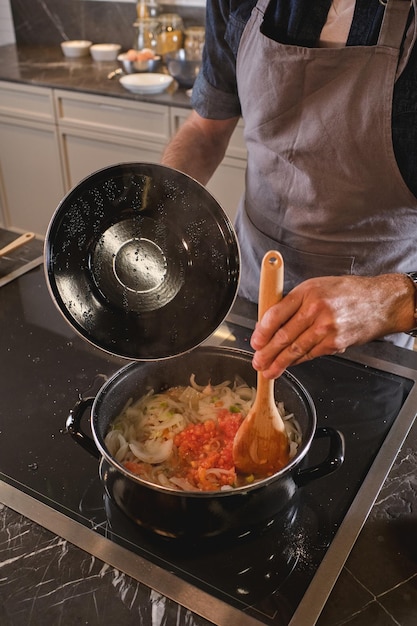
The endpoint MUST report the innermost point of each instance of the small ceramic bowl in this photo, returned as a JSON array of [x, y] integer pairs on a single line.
[[76, 48], [105, 51]]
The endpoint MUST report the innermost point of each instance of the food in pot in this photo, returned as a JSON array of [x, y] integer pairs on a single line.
[[182, 438]]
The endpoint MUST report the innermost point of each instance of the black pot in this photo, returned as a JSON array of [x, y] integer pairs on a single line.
[[200, 515]]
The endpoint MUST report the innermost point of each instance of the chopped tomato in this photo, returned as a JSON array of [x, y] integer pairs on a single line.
[[202, 447], [134, 467]]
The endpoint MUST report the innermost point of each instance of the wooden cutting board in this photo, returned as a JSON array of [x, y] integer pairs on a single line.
[[19, 261]]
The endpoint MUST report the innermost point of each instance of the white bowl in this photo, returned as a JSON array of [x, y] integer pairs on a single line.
[[75, 48], [150, 83], [105, 51]]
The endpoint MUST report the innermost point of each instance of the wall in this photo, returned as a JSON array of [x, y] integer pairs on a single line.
[[48, 22]]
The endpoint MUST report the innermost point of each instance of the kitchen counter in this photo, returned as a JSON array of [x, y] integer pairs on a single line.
[[82, 121], [47, 578], [44, 66]]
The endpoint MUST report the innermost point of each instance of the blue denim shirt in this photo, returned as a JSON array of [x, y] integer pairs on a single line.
[[299, 22]]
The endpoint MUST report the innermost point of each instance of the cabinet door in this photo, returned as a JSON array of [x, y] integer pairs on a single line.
[[30, 174], [227, 185], [84, 153], [96, 132]]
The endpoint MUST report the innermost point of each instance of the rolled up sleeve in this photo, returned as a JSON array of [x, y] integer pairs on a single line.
[[213, 103]]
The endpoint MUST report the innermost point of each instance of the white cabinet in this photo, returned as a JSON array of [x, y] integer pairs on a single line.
[[227, 185], [31, 183], [228, 182], [96, 131], [51, 139]]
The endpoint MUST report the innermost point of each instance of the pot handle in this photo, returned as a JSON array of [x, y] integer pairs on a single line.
[[73, 425], [330, 464]]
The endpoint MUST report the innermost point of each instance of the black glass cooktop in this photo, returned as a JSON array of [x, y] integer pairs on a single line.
[[266, 571]]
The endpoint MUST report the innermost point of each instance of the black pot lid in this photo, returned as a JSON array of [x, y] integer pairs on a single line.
[[142, 261]]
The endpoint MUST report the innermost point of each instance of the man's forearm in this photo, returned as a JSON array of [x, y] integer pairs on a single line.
[[199, 147]]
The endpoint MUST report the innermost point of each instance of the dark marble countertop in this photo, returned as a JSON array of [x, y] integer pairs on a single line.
[[46, 66]]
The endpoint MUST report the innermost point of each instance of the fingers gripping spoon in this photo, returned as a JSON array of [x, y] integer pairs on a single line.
[[261, 444]]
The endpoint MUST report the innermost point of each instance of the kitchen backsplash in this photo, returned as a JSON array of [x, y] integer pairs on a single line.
[[48, 22]]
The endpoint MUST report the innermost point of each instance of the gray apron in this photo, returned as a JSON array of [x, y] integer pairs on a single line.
[[322, 182]]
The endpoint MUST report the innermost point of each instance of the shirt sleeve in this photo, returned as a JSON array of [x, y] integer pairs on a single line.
[[212, 103], [215, 94]]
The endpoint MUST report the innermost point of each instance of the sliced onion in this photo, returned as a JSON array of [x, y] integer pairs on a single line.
[[182, 483], [152, 451], [114, 441], [218, 471], [191, 397]]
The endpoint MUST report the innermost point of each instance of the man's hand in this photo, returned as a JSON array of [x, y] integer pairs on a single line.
[[328, 314]]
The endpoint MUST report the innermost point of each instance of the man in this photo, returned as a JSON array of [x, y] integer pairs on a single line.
[[327, 93]]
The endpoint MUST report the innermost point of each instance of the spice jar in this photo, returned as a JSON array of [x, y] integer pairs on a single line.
[[171, 36], [194, 37]]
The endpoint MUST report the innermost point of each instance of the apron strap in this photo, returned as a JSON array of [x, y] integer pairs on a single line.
[[262, 5], [394, 23]]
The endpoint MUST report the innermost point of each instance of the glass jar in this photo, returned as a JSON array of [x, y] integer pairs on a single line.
[[148, 33], [171, 36], [146, 8], [194, 37]]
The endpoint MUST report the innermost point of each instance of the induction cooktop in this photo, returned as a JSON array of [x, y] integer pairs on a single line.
[[277, 574]]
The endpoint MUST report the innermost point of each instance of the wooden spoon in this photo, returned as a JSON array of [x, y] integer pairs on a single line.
[[261, 444], [20, 241]]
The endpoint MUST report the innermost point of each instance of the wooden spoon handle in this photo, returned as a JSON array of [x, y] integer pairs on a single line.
[[261, 443], [20, 241], [271, 286], [271, 282]]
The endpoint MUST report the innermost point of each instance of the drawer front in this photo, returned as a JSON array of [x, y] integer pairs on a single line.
[[114, 116], [21, 101], [86, 152]]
